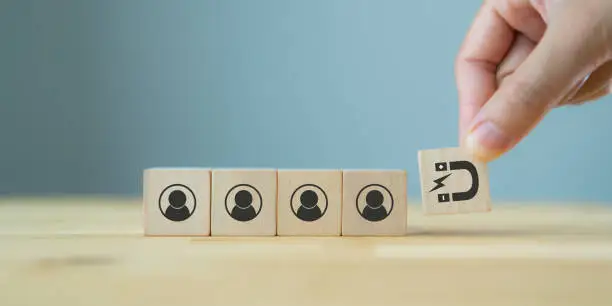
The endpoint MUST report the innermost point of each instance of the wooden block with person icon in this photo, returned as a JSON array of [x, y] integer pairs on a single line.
[[176, 202], [243, 202], [374, 203], [309, 202]]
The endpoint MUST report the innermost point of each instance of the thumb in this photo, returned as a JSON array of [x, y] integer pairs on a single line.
[[553, 71]]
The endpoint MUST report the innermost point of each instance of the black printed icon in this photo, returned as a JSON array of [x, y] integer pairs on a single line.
[[309, 202], [177, 202], [374, 202], [243, 202], [456, 196]]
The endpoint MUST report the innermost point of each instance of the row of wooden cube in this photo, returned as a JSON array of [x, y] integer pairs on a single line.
[[269, 202]]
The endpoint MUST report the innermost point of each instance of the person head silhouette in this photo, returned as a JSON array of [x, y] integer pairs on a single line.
[[309, 199], [374, 199], [177, 199], [243, 199]]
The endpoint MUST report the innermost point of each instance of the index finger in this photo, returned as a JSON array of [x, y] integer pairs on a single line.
[[487, 42]]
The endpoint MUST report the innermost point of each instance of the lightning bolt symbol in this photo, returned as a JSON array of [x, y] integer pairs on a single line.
[[439, 182]]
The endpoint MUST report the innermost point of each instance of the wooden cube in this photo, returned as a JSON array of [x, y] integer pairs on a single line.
[[453, 182], [309, 202], [374, 203], [176, 202], [243, 202]]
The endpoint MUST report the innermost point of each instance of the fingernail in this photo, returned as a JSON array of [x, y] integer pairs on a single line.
[[487, 141]]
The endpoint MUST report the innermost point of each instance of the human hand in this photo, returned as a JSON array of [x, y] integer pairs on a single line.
[[522, 58]]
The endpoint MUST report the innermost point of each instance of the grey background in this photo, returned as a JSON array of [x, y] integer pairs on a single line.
[[93, 92]]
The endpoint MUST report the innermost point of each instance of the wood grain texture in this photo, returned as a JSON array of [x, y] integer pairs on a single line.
[[374, 203], [243, 202], [176, 201], [453, 182], [309, 202], [77, 251]]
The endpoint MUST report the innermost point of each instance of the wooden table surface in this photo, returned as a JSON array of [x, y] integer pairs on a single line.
[[91, 252]]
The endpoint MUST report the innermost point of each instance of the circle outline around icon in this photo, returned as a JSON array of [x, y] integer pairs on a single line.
[[322, 212], [161, 195], [243, 185], [388, 193]]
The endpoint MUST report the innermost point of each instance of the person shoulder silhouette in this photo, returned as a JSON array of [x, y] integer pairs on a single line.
[[243, 211]]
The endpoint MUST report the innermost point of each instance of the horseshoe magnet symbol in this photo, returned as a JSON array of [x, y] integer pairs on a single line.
[[454, 166]]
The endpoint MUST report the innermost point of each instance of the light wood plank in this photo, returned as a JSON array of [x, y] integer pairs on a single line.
[[75, 251]]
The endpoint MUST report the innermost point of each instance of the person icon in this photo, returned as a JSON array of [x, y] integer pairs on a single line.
[[311, 204], [243, 211], [374, 203], [177, 203], [241, 204], [374, 210]]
